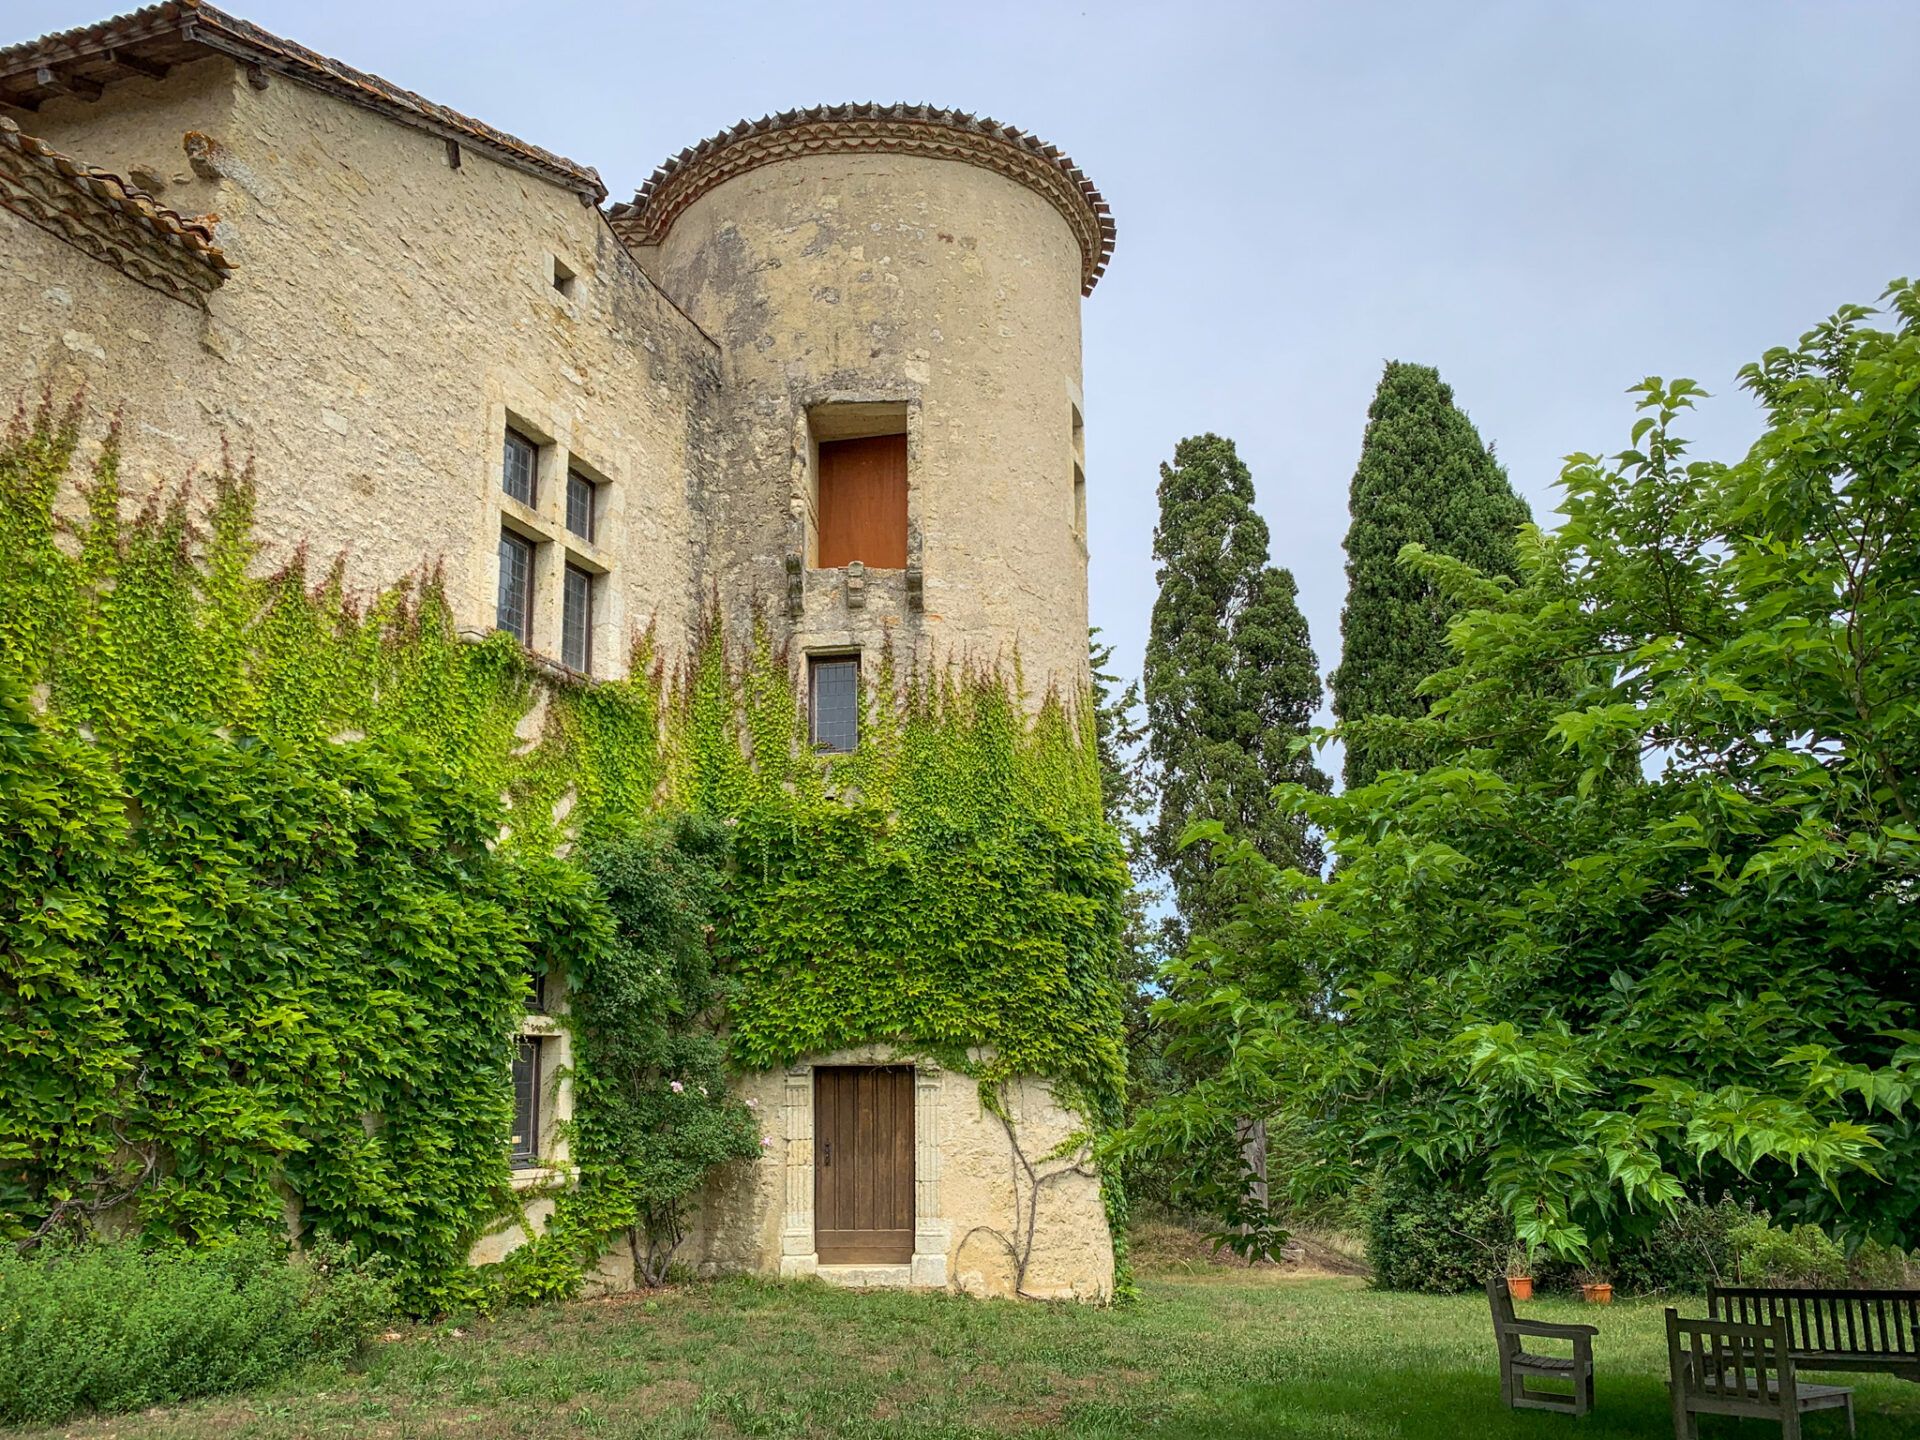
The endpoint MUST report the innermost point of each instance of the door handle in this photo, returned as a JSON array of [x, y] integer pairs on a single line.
[[827, 1159]]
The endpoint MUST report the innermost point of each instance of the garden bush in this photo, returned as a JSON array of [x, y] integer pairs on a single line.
[[1698, 1245], [1684, 1251], [1424, 1234], [1883, 1267], [118, 1326], [1796, 1255]]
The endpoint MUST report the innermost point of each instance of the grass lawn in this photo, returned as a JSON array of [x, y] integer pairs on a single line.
[[1209, 1351]]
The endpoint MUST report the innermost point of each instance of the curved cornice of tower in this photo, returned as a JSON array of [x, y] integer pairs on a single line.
[[881, 130]]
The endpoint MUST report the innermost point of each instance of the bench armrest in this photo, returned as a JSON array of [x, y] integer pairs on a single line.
[[1544, 1331]]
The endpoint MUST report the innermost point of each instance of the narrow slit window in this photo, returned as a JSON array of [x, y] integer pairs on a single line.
[[515, 605], [537, 1002], [580, 499], [863, 502], [520, 468], [576, 627], [523, 1147], [833, 702]]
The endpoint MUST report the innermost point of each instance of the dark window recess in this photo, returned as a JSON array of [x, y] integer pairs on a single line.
[[833, 702], [576, 622], [537, 1002], [524, 1147], [520, 468], [580, 505], [863, 502], [515, 609]]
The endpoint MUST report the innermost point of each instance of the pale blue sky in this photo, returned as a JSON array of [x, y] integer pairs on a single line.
[[1546, 200]]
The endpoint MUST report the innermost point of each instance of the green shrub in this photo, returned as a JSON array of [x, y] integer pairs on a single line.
[[1730, 1243], [1424, 1234], [1802, 1255], [1685, 1251], [117, 1327], [1882, 1267]]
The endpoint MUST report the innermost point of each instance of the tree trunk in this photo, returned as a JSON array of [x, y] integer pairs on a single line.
[[1253, 1154]]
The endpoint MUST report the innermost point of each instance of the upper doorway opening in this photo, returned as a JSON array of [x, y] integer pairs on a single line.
[[860, 490]]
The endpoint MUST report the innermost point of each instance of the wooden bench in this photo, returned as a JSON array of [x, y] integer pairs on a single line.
[[1727, 1367], [1876, 1331], [1518, 1365]]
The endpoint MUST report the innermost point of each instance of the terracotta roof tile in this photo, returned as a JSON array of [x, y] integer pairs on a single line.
[[109, 218], [83, 59], [885, 129]]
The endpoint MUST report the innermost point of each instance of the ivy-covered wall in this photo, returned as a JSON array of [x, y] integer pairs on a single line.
[[278, 861]]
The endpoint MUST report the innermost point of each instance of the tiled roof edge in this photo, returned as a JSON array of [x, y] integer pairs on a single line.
[[215, 29], [110, 219], [887, 129]]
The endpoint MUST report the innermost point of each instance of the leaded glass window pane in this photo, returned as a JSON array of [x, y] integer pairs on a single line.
[[576, 622], [523, 1147], [834, 700], [580, 505], [519, 468], [515, 608]]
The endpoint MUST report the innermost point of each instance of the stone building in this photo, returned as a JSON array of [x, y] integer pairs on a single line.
[[825, 364]]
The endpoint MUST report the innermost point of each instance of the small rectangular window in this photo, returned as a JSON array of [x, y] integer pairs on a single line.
[[833, 702], [580, 505], [523, 1148], [562, 276], [514, 613], [520, 468], [537, 1002], [576, 622]]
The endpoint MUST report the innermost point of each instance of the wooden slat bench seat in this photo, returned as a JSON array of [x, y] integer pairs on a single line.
[[1728, 1367], [1871, 1331]]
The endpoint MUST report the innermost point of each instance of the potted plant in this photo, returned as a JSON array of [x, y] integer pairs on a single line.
[[1520, 1272], [1596, 1285]]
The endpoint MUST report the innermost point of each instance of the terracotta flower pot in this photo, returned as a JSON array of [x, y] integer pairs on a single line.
[[1520, 1287], [1600, 1294]]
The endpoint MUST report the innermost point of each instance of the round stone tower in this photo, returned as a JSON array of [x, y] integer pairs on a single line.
[[896, 294]]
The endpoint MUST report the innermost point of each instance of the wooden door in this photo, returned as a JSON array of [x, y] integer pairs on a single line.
[[863, 1164], [863, 502]]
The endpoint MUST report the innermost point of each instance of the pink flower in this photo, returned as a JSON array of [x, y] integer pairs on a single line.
[[676, 1087], [766, 1142]]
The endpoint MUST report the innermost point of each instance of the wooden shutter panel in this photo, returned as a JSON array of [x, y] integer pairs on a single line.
[[863, 502]]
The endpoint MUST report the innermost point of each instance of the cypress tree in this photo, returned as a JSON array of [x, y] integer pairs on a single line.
[[1230, 676], [1424, 475]]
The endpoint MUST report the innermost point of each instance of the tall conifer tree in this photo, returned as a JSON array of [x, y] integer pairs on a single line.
[[1425, 476], [1230, 676]]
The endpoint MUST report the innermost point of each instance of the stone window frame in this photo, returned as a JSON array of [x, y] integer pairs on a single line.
[[932, 1230], [554, 1104], [562, 448], [851, 415]]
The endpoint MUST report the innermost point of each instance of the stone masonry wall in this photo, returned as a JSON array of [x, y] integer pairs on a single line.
[[973, 1195], [390, 312], [906, 280], [388, 315]]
